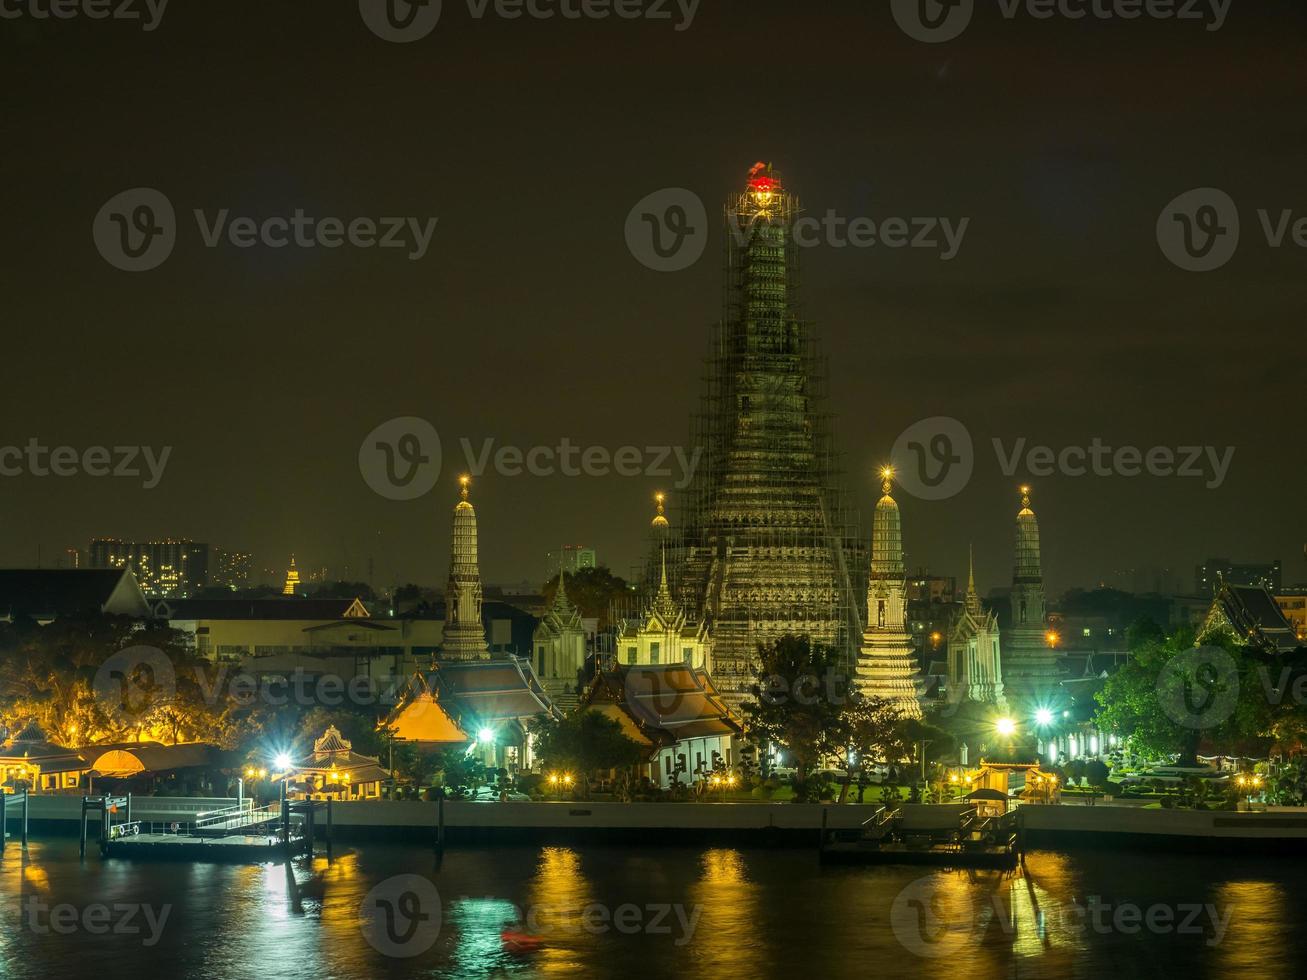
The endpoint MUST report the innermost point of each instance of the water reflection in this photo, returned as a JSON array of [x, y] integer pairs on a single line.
[[528, 912], [729, 937]]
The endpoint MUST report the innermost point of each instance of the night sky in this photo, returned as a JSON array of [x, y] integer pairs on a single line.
[[529, 319]]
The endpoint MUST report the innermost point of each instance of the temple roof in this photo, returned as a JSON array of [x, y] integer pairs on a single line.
[[455, 699], [1251, 615], [666, 702]]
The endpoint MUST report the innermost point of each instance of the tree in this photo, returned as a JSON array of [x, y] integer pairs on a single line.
[[874, 730], [591, 590], [1144, 701], [583, 742], [798, 702]]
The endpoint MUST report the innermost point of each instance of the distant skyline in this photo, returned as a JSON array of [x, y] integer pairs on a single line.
[[528, 320]]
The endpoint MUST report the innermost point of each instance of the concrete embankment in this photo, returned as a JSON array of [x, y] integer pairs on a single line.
[[1062, 827]]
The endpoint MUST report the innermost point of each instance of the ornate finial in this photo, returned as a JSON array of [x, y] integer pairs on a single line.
[[464, 482], [1025, 497], [886, 475], [660, 519]]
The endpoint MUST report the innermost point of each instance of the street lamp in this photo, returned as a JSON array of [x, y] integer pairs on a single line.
[[1005, 727], [1043, 717]]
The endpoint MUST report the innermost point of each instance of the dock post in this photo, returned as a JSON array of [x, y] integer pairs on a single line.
[[129, 807], [822, 845], [330, 835], [4, 803], [26, 794], [81, 847], [285, 824], [440, 821], [313, 815]]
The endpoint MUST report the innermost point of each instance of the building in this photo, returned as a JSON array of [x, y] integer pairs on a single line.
[[46, 594], [1249, 615], [769, 545], [1293, 603], [663, 633], [1030, 669], [29, 760], [489, 703], [335, 771], [675, 713], [292, 585], [975, 671], [233, 570], [1209, 576], [559, 643], [571, 558], [164, 568], [464, 636], [887, 663]]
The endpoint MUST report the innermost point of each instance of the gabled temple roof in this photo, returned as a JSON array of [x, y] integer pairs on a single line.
[[1250, 615], [43, 593], [452, 701], [255, 609], [666, 702]]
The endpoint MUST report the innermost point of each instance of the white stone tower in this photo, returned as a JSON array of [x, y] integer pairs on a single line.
[[1030, 670], [465, 634], [887, 666]]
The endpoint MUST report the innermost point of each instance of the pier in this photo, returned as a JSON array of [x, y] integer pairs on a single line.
[[941, 836]]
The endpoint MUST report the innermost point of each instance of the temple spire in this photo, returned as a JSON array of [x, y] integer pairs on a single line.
[[465, 635], [292, 579], [973, 599], [660, 519]]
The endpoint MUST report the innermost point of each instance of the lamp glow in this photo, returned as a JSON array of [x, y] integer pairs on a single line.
[[1005, 726], [1044, 717], [486, 736]]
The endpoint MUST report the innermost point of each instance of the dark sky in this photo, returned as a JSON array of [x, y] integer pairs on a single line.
[[529, 319]]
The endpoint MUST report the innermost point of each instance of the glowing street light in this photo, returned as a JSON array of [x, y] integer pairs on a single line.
[[282, 762], [1006, 727], [486, 736], [1043, 717]]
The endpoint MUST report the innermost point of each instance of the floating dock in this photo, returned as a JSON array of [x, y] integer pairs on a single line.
[[946, 837]]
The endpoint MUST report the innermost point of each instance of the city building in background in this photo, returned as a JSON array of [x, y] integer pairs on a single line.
[[167, 568], [571, 558], [1293, 604], [1210, 575], [233, 570]]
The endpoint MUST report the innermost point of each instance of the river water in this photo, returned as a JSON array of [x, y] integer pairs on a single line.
[[526, 911]]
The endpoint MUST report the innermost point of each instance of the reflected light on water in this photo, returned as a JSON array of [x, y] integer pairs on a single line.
[[1259, 940], [726, 940]]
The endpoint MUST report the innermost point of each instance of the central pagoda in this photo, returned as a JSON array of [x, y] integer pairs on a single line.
[[769, 543]]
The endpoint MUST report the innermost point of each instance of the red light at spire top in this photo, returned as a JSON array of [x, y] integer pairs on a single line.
[[762, 180]]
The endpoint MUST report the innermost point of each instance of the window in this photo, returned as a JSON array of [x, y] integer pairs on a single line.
[[630, 655], [655, 652], [880, 613], [687, 654]]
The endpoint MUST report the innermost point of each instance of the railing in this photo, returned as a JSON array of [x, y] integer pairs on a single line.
[[237, 818]]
